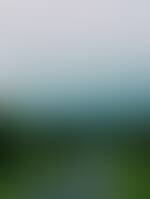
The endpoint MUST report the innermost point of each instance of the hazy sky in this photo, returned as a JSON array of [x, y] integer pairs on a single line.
[[66, 48]]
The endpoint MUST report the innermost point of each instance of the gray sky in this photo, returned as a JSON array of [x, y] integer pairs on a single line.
[[65, 48]]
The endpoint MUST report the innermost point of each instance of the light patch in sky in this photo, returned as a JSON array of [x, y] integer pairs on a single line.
[[68, 48]]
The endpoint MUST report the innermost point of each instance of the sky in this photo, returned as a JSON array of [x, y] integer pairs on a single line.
[[74, 52]]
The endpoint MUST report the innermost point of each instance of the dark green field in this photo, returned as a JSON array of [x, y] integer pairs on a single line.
[[68, 160]]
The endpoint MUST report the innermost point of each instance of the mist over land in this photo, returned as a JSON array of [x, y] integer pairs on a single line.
[[75, 59], [74, 99]]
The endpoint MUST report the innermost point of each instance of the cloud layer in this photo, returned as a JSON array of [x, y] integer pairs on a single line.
[[77, 49]]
